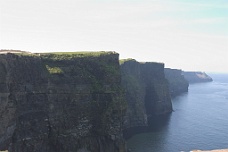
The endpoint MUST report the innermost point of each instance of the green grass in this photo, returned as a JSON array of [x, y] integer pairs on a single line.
[[125, 60], [65, 54], [54, 70], [70, 55], [89, 53]]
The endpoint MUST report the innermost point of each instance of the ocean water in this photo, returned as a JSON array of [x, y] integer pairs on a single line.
[[199, 121]]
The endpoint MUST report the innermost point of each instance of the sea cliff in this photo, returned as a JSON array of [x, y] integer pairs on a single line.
[[177, 82], [147, 93], [61, 102], [80, 101]]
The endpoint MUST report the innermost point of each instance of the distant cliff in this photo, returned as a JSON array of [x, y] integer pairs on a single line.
[[196, 77], [177, 83], [61, 102], [147, 92]]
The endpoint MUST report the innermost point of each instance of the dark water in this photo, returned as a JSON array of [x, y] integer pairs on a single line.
[[199, 121]]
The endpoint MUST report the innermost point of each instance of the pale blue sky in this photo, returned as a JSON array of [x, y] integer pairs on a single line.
[[184, 34]]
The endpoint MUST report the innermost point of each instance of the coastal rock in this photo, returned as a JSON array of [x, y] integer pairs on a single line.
[[61, 102]]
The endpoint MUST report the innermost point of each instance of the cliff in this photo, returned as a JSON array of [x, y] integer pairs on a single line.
[[196, 77], [61, 102], [177, 83], [147, 92]]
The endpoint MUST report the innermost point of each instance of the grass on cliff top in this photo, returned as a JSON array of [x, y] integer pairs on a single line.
[[122, 61], [58, 56], [69, 55]]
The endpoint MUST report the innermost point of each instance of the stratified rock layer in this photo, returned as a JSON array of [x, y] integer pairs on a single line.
[[147, 92], [61, 103]]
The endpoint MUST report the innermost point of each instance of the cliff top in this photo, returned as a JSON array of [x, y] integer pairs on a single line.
[[80, 54], [60, 55], [71, 55], [122, 61]]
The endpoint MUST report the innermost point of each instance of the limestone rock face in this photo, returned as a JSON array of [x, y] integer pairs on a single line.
[[61, 103], [177, 83], [147, 92]]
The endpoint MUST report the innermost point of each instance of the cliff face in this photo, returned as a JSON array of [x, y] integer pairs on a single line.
[[61, 103], [147, 92], [196, 77], [177, 83]]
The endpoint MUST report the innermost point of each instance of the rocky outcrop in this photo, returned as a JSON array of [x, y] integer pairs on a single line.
[[61, 103], [196, 77], [177, 83], [147, 92]]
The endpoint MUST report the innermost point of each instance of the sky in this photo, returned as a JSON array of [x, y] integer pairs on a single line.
[[191, 35]]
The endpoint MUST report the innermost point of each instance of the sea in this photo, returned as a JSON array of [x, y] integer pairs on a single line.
[[199, 121]]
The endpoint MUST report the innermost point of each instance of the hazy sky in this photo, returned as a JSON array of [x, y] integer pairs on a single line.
[[184, 34]]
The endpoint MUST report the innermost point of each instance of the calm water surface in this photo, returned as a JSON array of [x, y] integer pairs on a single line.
[[199, 121]]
